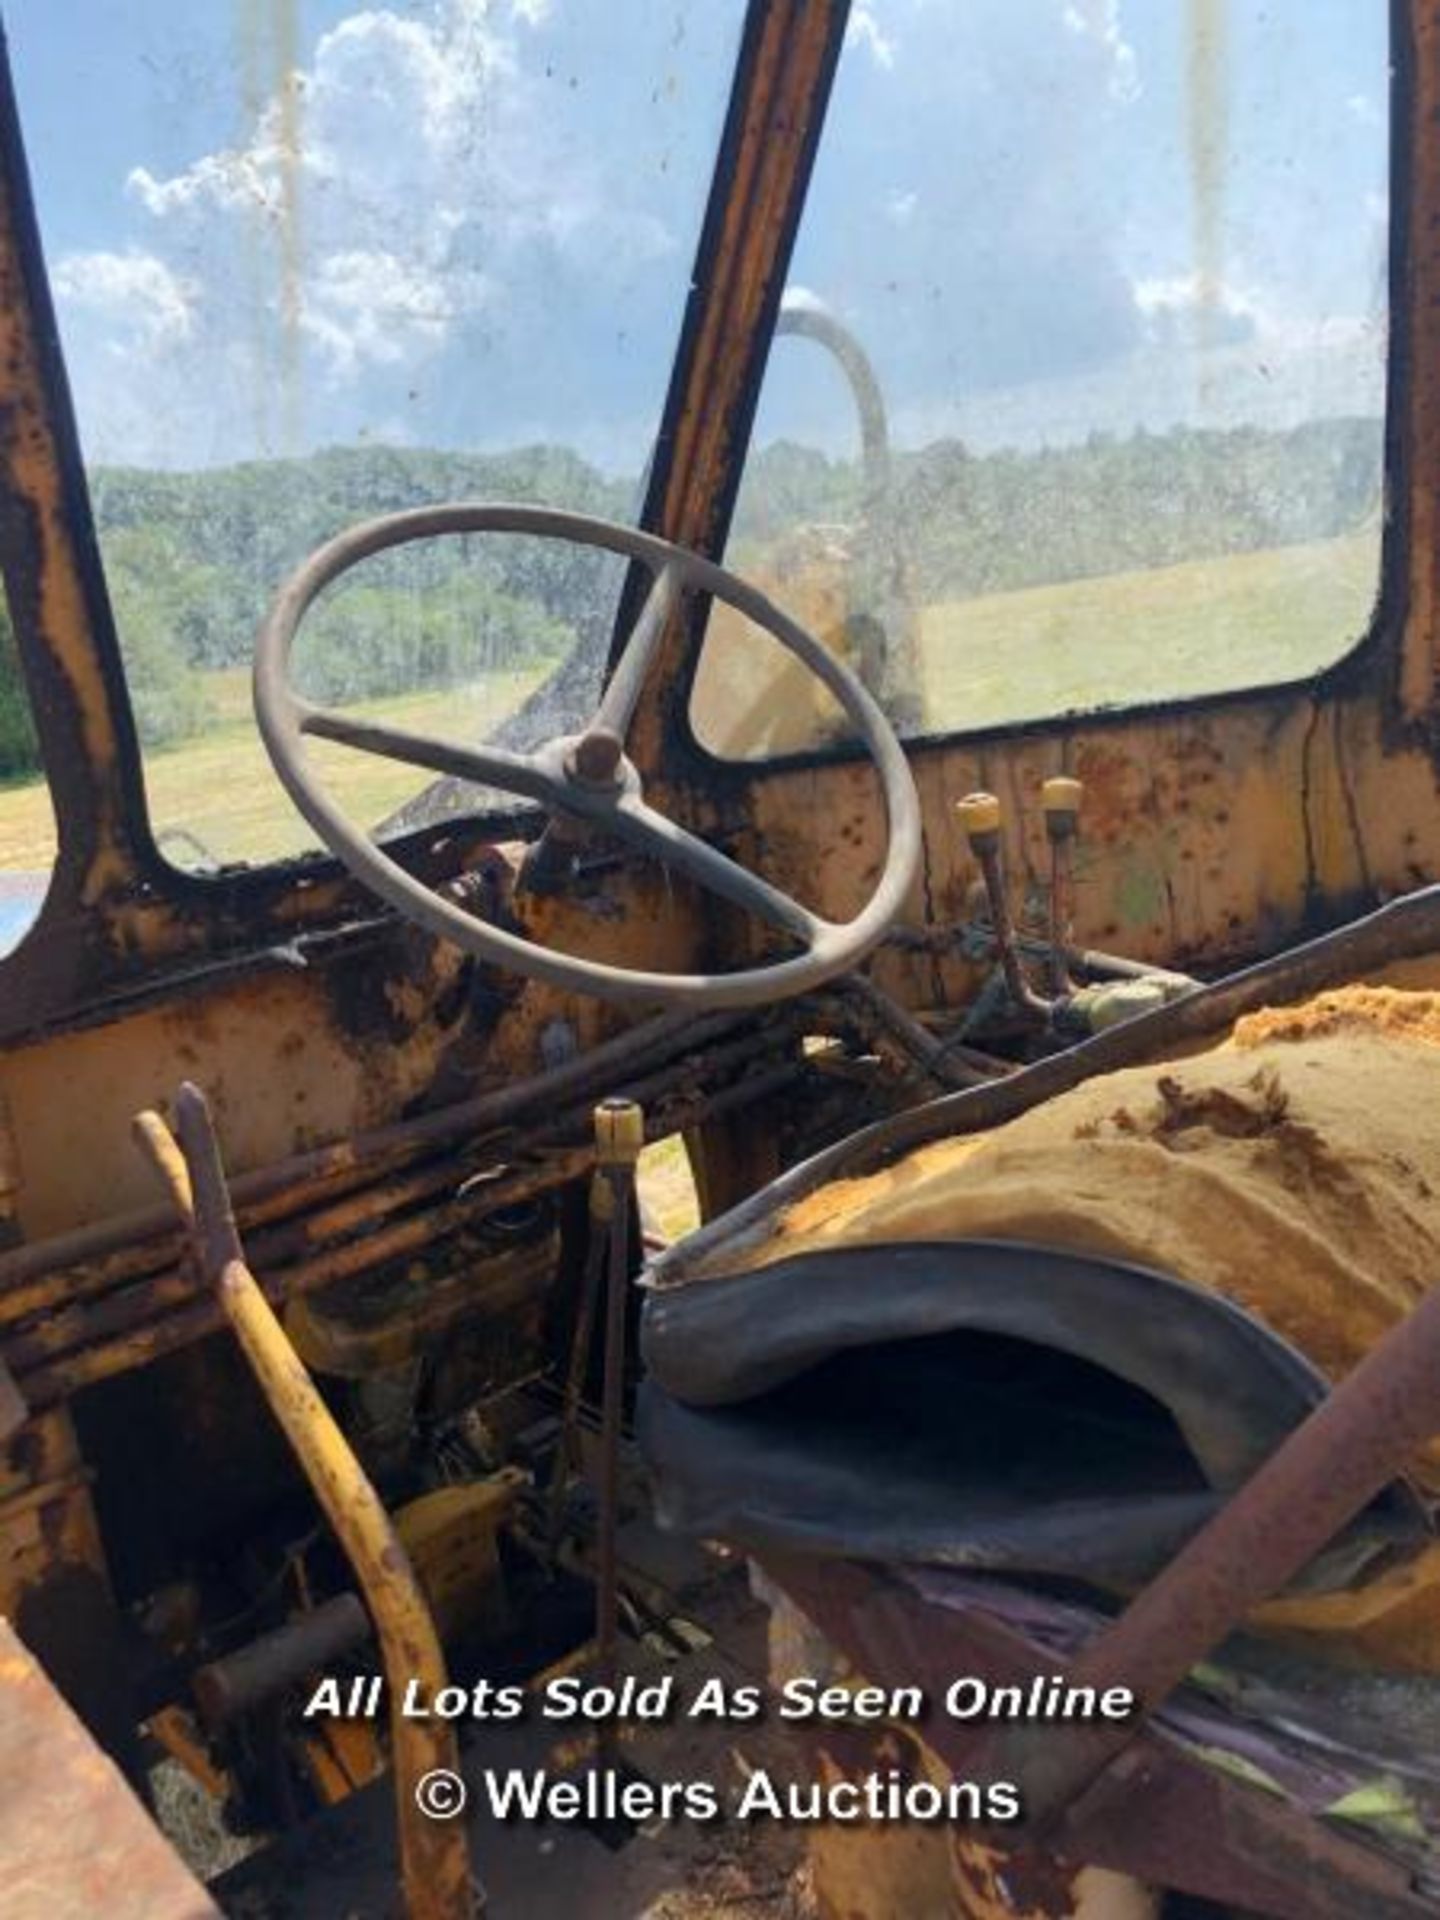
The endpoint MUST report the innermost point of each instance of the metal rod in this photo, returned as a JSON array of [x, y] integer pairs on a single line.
[[1060, 800], [88, 1317], [942, 939], [981, 821], [601, 1215], [287, 1183], [434, 1857], [293, 1240], [1320, 1477], [933, 1056], [1060, 895], [240, 1681], [62, 1293], [152, 1335], [14, 1408], [619, 1137], [1021, 992]]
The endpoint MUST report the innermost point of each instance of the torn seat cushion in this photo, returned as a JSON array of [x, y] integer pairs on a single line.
[[1052, 1347]]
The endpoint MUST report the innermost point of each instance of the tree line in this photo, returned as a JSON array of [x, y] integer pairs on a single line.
[[192, 559]]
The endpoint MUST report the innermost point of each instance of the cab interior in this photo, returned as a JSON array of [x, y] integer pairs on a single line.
[[880, 554]]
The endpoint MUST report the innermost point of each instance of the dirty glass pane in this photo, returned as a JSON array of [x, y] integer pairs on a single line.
[[27, 821], [317, 261], [1078, 396]]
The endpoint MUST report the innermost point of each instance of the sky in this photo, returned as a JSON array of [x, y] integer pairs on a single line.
[[273, 225]]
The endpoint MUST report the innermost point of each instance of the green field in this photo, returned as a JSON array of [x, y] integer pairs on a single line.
[[221, 788], [1169, 633], [1162, 634]]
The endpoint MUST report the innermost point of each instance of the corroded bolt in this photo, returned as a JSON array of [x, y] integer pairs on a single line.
[[595, 757]]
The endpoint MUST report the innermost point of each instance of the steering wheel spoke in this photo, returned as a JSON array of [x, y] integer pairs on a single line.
[[687, 853], [483, 766], [627, 681]]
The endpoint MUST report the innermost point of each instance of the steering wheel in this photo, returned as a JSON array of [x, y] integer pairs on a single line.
[[585, 775]]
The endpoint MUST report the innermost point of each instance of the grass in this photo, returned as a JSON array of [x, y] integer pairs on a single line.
[[1164, 634], [1160, 634], [220, 786], [667, 1187]]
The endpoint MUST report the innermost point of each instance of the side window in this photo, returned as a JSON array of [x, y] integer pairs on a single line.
[[1078, 399], [27, 821]]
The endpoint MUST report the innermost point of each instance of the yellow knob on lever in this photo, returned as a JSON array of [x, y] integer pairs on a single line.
[[979, 816], [619, 1133], [1061, 798]]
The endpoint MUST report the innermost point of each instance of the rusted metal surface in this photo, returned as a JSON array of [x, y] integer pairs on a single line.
[[434, 1858], [74, 1839], [1171, 1821], [63, 625], [786, 67], [243, 1680], [1165, 873], [1167, 785], [117, 1245], [47, 1515], [1412, 455], [139, 1321], [13, 1410]]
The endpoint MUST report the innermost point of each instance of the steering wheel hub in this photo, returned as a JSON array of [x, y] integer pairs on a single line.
[[597, 759]]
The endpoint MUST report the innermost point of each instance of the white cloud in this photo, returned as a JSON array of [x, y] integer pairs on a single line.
[[1099, 20], [147, 303], [1225, 328], [410, 183], [864, 30], [798, 299], [1225, 356], [900, 205], [1191, 312], [371, 308]]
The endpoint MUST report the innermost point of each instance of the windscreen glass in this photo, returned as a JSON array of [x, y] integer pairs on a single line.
[[315, 262], [1077, 397]]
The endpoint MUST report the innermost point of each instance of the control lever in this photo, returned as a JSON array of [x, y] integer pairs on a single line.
[[1060, 797], [434, 1852], [980, 819], [619, 1138], [601, 1212], [1070, 1010]]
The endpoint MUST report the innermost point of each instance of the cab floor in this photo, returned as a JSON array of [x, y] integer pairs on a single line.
[[344, 1863]]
